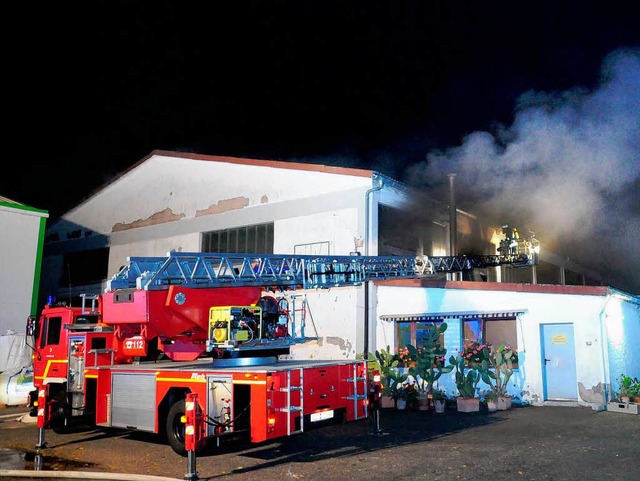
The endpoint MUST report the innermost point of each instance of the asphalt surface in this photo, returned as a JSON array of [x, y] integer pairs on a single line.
[[551, 443]]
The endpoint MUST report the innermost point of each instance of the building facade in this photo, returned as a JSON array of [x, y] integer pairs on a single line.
[[183, 202]]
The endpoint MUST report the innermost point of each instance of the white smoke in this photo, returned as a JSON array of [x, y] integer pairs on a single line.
[[569, 165]]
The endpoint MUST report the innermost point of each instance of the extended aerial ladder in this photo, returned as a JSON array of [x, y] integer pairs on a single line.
[[200, 269], [183, 294]]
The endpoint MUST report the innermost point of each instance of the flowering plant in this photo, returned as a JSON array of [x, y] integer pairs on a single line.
[[405, 357], [474, 352], [406, 391]]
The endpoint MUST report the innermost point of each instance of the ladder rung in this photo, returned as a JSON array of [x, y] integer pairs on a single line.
[[357, 397]]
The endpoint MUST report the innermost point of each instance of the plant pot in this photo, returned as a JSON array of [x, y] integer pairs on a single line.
[[387, 402], [492, 405], [468, 405], [440, 405], [401, 404], [504, 403], [424, 404]]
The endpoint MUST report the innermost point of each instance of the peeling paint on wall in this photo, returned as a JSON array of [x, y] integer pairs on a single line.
[[161, 217], [264, 199], [533, 398], [595, 395], [224, 206], [343, 344]]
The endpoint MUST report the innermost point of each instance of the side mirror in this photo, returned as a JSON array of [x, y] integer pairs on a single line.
[[32, 326]]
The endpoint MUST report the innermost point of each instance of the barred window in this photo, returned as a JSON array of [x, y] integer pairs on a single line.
[[253, 239]]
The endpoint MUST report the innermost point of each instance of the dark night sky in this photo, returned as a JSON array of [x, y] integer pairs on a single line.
[[92, 87]]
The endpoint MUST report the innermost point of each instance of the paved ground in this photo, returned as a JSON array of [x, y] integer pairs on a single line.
[[524, 443]]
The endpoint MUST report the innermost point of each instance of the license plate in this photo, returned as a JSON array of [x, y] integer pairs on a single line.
[[321, 416]]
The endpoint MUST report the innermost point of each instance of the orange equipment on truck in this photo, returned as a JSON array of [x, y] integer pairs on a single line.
[[205, 324]]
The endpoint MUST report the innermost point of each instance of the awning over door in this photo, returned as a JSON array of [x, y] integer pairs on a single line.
[[442, 316]]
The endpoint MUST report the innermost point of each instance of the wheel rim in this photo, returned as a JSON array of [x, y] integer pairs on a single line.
[[178, 427]]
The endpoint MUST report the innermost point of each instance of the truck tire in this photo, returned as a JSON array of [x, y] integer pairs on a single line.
[[60, 420], [175, 428]]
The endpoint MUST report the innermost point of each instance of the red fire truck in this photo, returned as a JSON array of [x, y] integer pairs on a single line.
[[209, 325]]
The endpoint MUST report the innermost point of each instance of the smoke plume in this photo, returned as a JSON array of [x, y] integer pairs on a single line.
[[568, 168]]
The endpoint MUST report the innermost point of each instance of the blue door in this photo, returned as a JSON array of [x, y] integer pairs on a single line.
[[559, 362]]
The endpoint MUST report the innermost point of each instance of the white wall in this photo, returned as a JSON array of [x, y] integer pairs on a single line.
[[539, 308], [170, 189], [333, 316], [155, 246], [338, 228], [621, 327], [19, 244]]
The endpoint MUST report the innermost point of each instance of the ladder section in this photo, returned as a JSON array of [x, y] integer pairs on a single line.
[[236, 270], [359, 388], [292, 409], [202, 269]]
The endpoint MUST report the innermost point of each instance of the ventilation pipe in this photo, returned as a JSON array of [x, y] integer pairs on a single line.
[[453, 222]]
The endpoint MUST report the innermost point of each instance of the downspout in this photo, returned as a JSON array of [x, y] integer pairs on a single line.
[[604, 349], [377, 185], [453, 223]]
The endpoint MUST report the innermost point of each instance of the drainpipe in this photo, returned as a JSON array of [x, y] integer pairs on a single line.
[[377, 185], [604, 350], [453, 222]]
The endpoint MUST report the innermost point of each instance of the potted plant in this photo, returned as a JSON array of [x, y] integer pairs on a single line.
[[491, 398], [391, 377], [629, 389], [439, 399], [467, 380], [496, 370], [404, 394], [429, 363]]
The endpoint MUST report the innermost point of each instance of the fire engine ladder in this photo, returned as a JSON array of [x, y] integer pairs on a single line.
[[236, 270], [201, 269], [359, 391], [289, 409]]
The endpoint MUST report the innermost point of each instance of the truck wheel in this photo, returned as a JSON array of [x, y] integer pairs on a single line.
[[59, 419], [175, 428]]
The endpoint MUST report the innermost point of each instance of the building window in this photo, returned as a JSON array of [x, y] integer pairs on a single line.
[[415, 333], [412, 333], [253, 239], [492, 331]]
